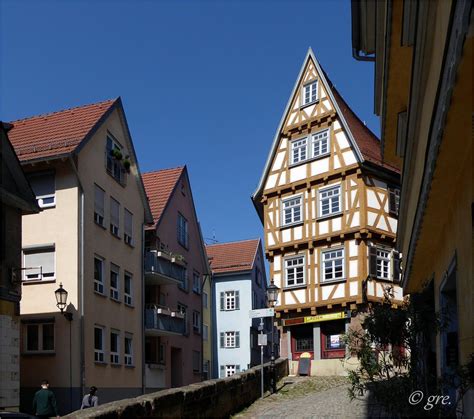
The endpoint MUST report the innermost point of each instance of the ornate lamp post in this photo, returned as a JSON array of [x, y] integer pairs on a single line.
[[272, 297], [61, 303]]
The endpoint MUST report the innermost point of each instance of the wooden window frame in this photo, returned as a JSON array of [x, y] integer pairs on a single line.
[[303, 265], [341, 201], [322, 269], [303, 103]]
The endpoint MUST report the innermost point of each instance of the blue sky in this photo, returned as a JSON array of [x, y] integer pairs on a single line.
[[204, 83]]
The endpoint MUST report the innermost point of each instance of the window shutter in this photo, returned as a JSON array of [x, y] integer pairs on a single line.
[[114, 212], [222, 371], [237, 300], [237, 369], [237, 339], [395, 266], [222, 301], [128, 222], [42, 184], [43, 258], [222, 340], [99, 200], [392, 204], [372, 261]]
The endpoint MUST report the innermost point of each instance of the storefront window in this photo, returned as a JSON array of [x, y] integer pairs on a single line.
[[334, 342], [304, 344]]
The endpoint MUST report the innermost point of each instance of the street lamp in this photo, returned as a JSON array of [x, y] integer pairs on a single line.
[[61, 303], [272, 297]]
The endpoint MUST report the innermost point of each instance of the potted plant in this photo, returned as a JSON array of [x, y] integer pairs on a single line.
[[126, 165], [117, 154]]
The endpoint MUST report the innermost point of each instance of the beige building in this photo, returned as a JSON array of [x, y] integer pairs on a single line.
[[16, 199], [82, 166], [423, 54]]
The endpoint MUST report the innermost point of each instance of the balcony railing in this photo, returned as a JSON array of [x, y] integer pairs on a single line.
[[162, 269], [162, 321]]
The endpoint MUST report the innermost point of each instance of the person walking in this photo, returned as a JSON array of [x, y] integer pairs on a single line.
[[90, 400], [44, 402]]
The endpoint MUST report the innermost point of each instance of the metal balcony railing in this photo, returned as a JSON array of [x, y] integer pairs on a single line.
[[161, 321], [161, 270]]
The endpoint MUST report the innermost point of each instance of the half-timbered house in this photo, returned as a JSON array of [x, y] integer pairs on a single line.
[[328, 204]]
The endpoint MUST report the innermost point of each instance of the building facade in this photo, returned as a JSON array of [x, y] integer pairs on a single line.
[[16, 199], [425, 109], [329, 209], [88, 237], [239, 285], [175, 270]]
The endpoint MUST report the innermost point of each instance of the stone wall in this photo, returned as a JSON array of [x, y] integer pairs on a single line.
[[213, 398]]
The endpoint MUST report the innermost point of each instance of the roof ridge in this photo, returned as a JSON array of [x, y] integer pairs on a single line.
[[43, 115], [233, 242]]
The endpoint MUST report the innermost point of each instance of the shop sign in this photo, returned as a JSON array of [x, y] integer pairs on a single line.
[[314, 319]]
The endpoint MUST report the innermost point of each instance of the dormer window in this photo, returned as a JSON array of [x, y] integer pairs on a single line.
[[310, 93]]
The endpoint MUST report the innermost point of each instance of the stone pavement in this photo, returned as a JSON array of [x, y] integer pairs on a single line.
[[310, 397]]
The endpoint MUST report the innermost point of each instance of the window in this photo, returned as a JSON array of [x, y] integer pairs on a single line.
[[39, 264], [114, 217], [197, 321], [99, 353], [196, 361], [304, 344], [205, 332], [196, 282], [291, 210], [114, 156], [182, 231], [181, 308], [128, 350], [298, 150], [332, 265], [183, 272], [383, 263], [230, 300], [320, 143], [98, 274], [393, 201], [39, 337], [114, 281], [294, 271], [205, 298], [230, 339], [128, 227], [229, 370], [43, 186], [310, 93], [99, 205], [330, 201], [127, 288], [114, 347], [162, 353]]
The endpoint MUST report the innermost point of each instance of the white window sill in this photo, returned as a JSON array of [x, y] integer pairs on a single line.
[[298, 223], [311, 159], [290, 287], [38, 281], [326, 217], [305, 105], [333, 281], [100, 294]]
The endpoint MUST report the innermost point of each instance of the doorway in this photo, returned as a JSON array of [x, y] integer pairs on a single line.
[[176, 367]]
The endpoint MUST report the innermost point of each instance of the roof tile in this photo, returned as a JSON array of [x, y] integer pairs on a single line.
[[233, 256]]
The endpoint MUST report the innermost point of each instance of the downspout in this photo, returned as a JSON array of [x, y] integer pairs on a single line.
[[81, 275]]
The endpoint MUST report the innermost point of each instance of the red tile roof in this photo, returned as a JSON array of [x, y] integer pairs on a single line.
[[56, 133], [233, 256], [158, 187]]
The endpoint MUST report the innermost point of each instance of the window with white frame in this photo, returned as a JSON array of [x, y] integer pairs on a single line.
[[383, 263], [127, 227], [230, 300], [114, 217], [127, 288], [39, 264], [393, 200], [230, 339], [299, 150], [114, 281], [99, 344], [332, 265], [205, 332], [196, 321], [114, 347], [196, 361], [182, 231], [196, 282], [292, 210], [310, 93], [39, 337], [294, 271], [99, 205], [330, 201], [128, 349], [229, 370], [43, 186], [98, 274], [320, 143]]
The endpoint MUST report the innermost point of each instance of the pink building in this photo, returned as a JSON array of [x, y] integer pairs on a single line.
[[175, 268]]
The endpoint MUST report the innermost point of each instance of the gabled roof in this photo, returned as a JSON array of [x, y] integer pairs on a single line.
[[159, 185], [365, 144], [233, 256], [57, 133]]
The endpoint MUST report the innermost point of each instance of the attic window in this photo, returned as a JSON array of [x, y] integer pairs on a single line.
[[114, 160], [43, 185], [310, 93]]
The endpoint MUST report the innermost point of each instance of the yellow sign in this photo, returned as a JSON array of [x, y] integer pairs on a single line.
[[325, 317]]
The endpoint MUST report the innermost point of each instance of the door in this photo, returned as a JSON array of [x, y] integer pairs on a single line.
[[176, 367]]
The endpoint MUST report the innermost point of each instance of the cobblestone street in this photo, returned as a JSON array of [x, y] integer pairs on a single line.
[[309, 397]]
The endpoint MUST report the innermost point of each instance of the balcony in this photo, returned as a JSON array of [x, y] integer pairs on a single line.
[[162, 321], [163, 269]]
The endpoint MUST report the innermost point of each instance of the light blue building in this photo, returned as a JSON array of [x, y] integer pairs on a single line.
[[239, 285]]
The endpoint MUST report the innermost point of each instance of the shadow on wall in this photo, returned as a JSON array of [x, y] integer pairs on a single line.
[[213, 398]]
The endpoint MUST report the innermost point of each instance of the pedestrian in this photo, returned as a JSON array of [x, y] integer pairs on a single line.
[[90, 400], [44, 402]]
